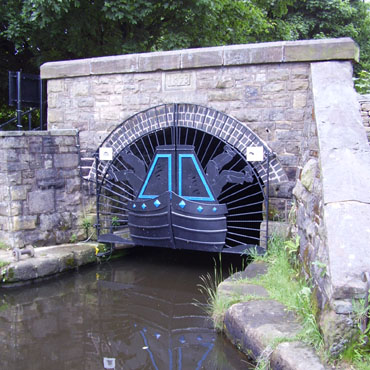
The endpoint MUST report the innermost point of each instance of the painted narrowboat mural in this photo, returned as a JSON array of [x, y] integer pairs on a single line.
[[179, 187]]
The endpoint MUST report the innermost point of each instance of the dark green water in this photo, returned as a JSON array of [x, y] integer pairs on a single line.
[[138, 312]]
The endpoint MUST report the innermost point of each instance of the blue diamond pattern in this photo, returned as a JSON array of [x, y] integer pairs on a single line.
[[200, 209], [182, 204], [214, 209], [157, 203], [143, 206], [134, 205]]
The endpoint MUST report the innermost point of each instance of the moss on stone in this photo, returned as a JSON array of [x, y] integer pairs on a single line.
[[70, 262]]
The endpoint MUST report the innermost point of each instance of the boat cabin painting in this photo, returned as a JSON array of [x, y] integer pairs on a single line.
[[199, 194], [176, 207]]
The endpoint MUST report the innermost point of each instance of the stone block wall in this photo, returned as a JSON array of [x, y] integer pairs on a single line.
[[365, 112], [95, 95], [40, 199], [308, 208], [332, 200]]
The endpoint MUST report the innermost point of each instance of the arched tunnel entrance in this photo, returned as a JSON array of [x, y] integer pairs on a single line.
[[175, 176]]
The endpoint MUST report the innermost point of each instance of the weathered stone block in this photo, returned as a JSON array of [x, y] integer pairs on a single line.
[[18, 193], [24, 223], [15, 178], [56, 86], [297, 85], [274, 87], [71, 68], [254, 325], [55, 116], [41, 201], [299, 100], [253, 53], [51, 183], [344, 148], [66, 160], [160, 61], [224, 96], [114, 64], [330, 49], [295, 356], [85, 102], [50, 173], [338, 331], [207, 57], [309, 174], [347, 224]]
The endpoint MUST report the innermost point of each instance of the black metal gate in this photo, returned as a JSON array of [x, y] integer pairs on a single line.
[[180, 187]]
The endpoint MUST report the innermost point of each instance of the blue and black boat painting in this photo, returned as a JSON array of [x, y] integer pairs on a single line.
[[176, 206]]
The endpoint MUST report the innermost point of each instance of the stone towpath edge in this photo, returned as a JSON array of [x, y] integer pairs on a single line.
[[254, 326]]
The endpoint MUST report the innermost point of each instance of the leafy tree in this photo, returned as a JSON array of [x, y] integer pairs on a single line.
[[312, 19], [35, 31]]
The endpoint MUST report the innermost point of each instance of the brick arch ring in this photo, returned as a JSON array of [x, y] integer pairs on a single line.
[[224, 127]]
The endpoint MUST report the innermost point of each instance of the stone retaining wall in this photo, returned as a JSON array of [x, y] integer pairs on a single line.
[[365, 112], [333, 202], [40, 187]]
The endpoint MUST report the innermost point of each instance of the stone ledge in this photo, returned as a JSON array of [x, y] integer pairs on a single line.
[[244, 54], [47, 261], [321, 50], [253, 326], [67, 132]]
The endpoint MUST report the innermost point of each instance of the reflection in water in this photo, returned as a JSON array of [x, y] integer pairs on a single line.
[[136, 313]]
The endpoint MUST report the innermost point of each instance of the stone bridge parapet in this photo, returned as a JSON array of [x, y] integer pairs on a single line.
[[263, 86]]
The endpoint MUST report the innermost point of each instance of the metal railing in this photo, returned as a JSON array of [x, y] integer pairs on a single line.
[[18, 120], [25, 90]]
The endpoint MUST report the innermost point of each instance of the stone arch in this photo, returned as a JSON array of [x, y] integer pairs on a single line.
[[172, 132], [211, 121]]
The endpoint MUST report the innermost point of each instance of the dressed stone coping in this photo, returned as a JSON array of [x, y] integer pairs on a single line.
[[61, 132], [231, 55]]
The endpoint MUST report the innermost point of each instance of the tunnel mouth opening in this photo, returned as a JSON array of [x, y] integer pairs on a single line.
[[244, 201]]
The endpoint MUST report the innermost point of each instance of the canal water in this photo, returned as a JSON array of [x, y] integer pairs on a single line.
[[143, 311]]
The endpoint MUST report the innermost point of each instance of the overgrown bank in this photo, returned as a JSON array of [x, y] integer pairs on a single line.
[[274, 284]]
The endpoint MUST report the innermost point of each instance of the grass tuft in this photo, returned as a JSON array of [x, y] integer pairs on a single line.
[[284, 284], [4, 246]]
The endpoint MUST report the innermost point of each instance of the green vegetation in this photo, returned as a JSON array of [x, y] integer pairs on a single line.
[[4, 246], [86, 224], [6, 274], [4, 263], [358, 351], [217, 304], [4, 307], [83, 28], [362, 82], [284, 283], [70, 262], [115, 221], [73, 238]]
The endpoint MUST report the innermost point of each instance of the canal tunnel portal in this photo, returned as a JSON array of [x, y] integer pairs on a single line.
[[178, 176]]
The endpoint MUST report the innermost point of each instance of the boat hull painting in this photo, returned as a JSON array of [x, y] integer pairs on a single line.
[[171, 221]]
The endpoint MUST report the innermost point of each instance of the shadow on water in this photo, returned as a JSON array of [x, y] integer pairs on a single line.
[[134, 313]]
